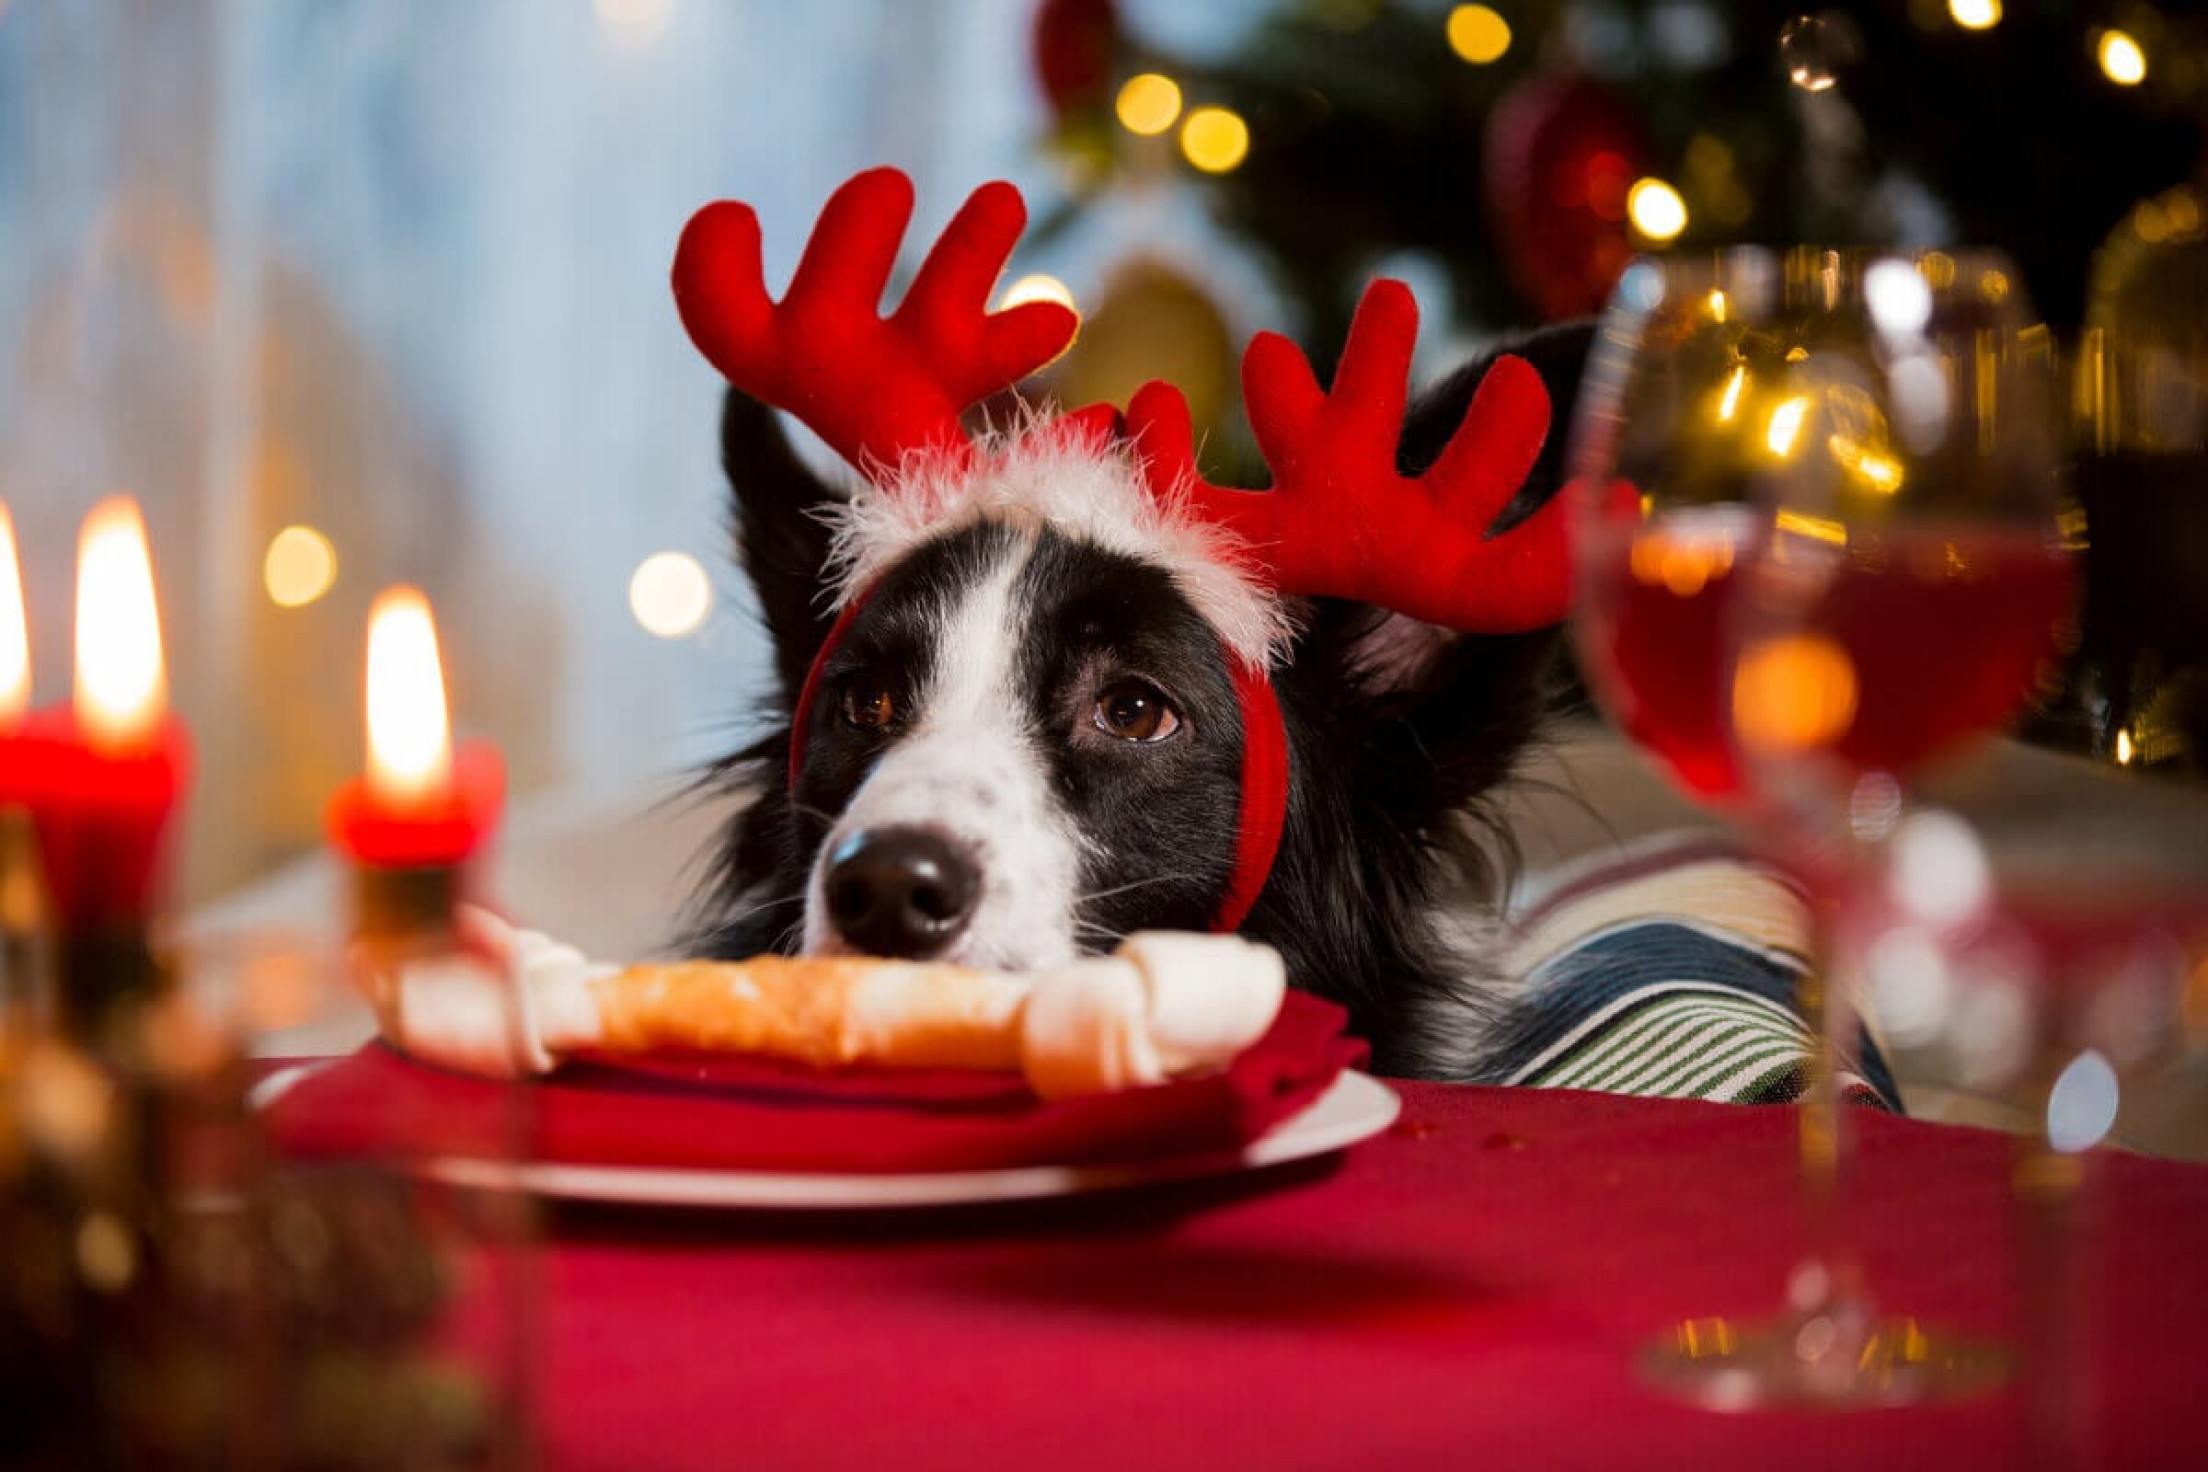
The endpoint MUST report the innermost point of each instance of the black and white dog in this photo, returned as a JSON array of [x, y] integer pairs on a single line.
[[1024, 744]]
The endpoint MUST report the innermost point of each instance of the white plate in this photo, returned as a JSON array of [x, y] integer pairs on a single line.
[[1355, 1107]]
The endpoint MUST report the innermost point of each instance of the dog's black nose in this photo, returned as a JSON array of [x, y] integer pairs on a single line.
[[901, 891]]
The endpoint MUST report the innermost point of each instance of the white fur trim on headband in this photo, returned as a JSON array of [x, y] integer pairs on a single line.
[[1038, 474]]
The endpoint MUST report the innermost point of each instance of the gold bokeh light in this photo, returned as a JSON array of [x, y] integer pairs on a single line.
[[1215, 139], [1478, 34], [1793, 694], [299, 567], [1975, 15], [1148, 104], [1656, 210], [2123, 60]]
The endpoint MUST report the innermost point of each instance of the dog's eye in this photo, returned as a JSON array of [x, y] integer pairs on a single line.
[[868, 706], [1135, 710]]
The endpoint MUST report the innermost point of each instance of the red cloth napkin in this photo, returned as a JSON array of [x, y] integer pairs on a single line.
[[734, 1113]]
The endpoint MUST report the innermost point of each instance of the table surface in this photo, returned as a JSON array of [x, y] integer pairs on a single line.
[[1468, 1288]]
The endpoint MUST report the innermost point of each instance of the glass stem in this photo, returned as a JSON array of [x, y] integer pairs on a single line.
[[1828, 1283]]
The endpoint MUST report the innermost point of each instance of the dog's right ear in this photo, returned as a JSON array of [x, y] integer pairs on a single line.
[[781, 539]]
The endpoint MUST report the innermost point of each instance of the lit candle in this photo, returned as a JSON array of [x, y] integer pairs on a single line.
[[122, 692], [103, 775], [423, 807]]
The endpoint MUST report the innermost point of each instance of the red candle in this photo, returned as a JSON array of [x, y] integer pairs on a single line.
[[421, 803], [102, 777]]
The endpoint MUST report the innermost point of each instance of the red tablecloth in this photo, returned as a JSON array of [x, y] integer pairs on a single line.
[[1466, 1290]]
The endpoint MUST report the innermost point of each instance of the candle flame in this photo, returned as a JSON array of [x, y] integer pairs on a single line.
[[122, 689], [15, 636], [409, 733]]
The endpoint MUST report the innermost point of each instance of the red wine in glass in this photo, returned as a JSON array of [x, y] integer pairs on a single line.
[[1909, 644]]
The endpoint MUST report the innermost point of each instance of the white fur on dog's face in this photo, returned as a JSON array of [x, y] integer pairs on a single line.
[[970, 768]]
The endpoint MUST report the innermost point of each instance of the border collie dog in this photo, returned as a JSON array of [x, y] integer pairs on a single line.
[[1013, 711]]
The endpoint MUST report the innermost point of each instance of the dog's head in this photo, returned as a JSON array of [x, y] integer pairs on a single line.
[[1046, 688]]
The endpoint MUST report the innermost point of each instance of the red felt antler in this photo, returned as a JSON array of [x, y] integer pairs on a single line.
[[1340, 521], [874, 388]]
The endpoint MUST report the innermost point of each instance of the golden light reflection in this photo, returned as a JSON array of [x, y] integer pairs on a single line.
[[299, 567], [1938, 269], [409, 730], [1478, 34], [1993, 285], [1794, 693], [2123, 60], [1148, 104], [1681, 565], [1728, 401], [1867, 465], [1816, 528], [1656, 210], [1784, 431], [1717, 304], [1975, 15], [15, 635], [121, 687], [2125, 751], [1215, 139]]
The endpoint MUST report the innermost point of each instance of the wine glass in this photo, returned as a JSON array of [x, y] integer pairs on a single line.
[[1816, 551]]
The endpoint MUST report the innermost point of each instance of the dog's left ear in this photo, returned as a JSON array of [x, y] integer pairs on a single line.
[[781, 538]]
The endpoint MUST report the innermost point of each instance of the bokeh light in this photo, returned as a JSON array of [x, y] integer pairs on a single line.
[[2123, 60], [1793, 693], [299, 567], [1656, 210], [1940, 872], [1975, 15], [2081, 1107], [1037, 287], [1148, 104], [1478, 33], [1215, 139], [670, 594]]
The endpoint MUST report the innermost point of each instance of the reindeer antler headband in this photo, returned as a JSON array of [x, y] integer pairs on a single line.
[[1340, 520]]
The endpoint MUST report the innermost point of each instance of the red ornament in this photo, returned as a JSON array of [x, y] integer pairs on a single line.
[[1561, 152], [1075, 42]]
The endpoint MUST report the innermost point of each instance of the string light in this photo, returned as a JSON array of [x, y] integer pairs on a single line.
[[2123, 60], [1215, 139], [1148, 104], [1478, 34], [299, 567], [670, 594], [1656, 210], [1975, 15]]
